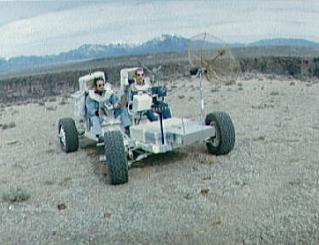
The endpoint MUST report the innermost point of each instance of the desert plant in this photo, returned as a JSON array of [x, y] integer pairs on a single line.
[[15, 195], [9, 125], [52, 99], [63, 101], [50, 108]]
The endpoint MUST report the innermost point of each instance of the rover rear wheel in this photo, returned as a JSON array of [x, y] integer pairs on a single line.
[[224, 140]]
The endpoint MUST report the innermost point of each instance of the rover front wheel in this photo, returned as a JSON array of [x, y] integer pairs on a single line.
[[68, 135], [116, 157]]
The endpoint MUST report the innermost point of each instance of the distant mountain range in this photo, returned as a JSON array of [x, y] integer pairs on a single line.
[[165, 43], [286, 42]]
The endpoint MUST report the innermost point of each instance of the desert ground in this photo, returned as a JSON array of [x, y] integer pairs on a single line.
[[266, 191]]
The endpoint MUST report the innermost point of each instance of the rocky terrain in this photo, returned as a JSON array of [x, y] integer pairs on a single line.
[[266, 191]]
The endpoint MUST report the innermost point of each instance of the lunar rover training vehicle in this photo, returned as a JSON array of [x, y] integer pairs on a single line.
[[145, 137]]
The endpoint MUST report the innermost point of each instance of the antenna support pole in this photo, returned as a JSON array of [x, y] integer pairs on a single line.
[[202, 104]]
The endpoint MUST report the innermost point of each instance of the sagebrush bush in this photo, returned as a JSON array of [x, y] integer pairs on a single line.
[[15, 195], [8, 125]]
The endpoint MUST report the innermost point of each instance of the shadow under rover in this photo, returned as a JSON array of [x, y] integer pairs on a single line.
[[161, 159], [101, 169]]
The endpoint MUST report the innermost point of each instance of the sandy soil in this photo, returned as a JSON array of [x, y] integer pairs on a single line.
[[266, 191]]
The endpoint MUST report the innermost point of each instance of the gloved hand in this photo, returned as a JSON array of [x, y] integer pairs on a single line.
[[102, 112]]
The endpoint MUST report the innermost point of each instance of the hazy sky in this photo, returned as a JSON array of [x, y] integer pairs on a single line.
[[50, 27]]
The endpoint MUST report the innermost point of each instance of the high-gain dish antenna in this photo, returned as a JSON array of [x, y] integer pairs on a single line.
[[212, 59]]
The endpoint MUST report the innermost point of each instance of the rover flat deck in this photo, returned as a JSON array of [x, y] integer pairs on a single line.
[[177, 132]]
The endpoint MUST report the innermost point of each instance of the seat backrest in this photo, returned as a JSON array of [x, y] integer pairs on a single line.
[[126, 74], [79, 103], [129, 73], [86, 82]]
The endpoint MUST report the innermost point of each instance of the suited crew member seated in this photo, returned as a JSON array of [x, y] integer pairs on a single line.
[[139, 84], [100, 98]]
